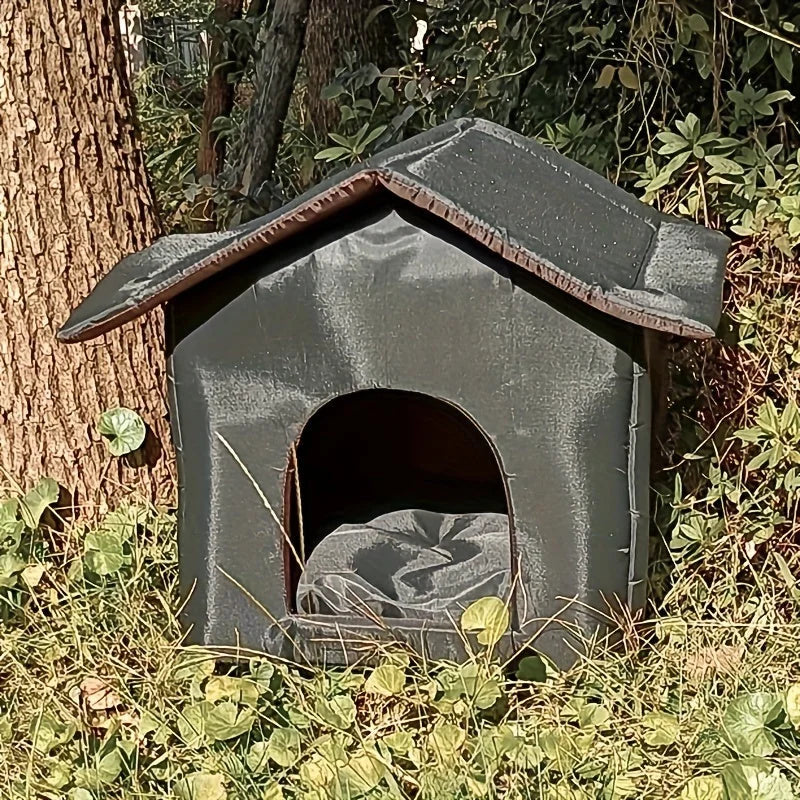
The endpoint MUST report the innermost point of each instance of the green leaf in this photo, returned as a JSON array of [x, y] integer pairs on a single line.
[[627, 78], [124, 430], [410, 90], [80, 794], [483, 689], [606, 77], [226, 720], [257, 758], [124, 521], [755, 779], [284, 747], [446, 739], [792, 703], [782, 56], [102, 772], [661, 729], [11, 566], [704, 787], [201, 786], [723, 166], [6, 730], [104, 552], [48, 733], [238, 690], [8, 515], [192, 724], [338, 712], [33, 505], [331, 153], [272, 791], [331, 91], [532, 668], [387, 680], [399, 741], [363, 772], [697, 23], [744, 724], [488, 617], [370, 138]]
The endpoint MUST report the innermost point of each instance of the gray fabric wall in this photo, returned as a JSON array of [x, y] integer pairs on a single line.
[[386, 298]]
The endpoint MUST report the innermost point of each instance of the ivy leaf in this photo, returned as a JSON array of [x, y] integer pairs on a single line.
[[704, 787], [32, 575], [793, 705], [103, 552], [532, 668], [662, 729], [124, 430], [284, 747], [192, 724], [338, 712], [755, 779], [272, 791], [744, 724], [363, 772], [446, 739], [488, 617], [227, 721], [103, 771], [48, 733], [11, 566], [257, 758], [483, 689], [238, 690], [201, 786], [6, 730], [387, 680], [399, 741], [33, 505]]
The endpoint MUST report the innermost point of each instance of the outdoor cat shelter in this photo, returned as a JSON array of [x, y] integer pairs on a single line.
[[425, 381]]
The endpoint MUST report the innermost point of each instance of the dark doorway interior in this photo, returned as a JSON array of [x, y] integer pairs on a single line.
[[374, 451]]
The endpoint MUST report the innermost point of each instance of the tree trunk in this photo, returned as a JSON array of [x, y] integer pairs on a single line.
[[276, 66], [334, 28], [74, 198], [218, 103]]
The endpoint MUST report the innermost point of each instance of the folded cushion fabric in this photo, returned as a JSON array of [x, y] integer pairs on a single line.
[[409, 564]]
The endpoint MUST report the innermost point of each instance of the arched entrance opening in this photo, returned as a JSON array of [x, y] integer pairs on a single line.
[[413, 492]]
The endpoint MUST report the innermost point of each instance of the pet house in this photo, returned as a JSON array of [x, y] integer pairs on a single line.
[[422, 382]]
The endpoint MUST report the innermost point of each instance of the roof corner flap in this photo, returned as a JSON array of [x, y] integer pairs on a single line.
[[595, 234], [137, 277], [684, 273]]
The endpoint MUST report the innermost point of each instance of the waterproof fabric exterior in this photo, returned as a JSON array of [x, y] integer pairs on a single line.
[[535, 208], [395, 300], [408, 564], [469, 265]]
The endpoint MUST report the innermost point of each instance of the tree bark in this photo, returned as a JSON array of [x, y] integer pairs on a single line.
[[334, 28], [74, 198], [218, 102], [276, 66]]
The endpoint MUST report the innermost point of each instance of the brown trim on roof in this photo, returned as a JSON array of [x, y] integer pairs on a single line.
[[359, 186]]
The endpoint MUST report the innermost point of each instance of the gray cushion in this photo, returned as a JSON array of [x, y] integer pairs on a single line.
[[412, 564]]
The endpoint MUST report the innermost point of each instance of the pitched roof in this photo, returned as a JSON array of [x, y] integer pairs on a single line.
[[535, 208]]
